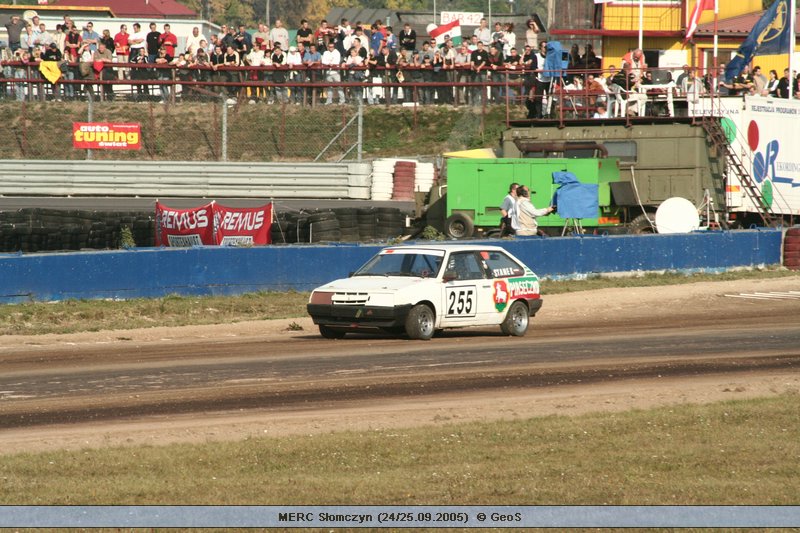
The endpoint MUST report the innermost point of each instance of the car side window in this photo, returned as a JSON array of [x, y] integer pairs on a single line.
[[501, 266], [465, 265]]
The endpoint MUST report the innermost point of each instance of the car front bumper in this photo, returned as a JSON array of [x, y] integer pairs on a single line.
[[359, 316]]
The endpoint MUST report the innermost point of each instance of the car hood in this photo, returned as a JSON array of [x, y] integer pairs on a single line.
[[373, 283]]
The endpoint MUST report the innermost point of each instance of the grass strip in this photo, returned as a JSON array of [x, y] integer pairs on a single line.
[[734, 452], [72, 316]]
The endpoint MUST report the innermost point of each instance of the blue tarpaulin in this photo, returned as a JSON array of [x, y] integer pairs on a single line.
[[553, 61], [573, 198]]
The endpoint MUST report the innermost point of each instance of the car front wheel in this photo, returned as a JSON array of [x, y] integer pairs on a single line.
[[516, 321], [420, 322]]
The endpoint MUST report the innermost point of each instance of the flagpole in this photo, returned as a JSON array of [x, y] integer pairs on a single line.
[[715, 79], [641, 24], [792, 39]]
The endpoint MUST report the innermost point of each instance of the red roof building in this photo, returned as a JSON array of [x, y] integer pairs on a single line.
[[145, 9], [736, 27]]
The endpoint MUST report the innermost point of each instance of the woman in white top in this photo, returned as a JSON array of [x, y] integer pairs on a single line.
[[532, 34], [509, 39], [771, 88]]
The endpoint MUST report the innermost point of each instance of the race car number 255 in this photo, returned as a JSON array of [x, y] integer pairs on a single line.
[[460, 301]]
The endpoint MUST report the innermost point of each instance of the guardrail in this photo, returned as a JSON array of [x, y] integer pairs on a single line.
[[157, 272], [185, 178]]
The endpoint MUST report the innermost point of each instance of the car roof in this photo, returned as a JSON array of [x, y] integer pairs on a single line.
[[448, 247]]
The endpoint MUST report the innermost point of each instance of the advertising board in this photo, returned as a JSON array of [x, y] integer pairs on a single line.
[[766, 134], [106, 136]]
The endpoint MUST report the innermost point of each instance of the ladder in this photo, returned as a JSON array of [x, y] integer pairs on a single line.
[[716, 134]]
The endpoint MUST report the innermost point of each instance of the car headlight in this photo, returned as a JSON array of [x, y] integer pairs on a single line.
[[321, 298]]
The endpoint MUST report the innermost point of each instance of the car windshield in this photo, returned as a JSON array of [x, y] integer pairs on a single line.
[[423, 264]]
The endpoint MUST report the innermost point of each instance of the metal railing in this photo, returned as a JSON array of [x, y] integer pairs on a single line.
[[296, 84]]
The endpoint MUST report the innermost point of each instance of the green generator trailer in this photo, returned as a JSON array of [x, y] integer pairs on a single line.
[[476, 188]]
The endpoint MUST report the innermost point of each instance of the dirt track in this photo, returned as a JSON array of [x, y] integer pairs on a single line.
[[607, 350]]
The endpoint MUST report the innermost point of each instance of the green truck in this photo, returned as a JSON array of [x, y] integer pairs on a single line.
[[476, 188]]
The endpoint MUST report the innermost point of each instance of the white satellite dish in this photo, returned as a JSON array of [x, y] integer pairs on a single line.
[[677, 215]]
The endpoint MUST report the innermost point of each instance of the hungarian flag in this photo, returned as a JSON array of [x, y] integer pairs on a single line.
[[699, 7], [451, 30]]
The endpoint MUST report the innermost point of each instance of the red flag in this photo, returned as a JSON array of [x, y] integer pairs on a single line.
[[699, 7]]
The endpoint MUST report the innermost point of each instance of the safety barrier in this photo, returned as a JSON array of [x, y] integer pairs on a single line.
[[199, 271], [185, 178]]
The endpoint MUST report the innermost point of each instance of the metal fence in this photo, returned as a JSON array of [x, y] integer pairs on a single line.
[[282, 114], [185, 178], [218, 116], [200, 131]]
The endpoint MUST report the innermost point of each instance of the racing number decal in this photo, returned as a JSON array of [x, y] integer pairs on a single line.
[[461, 301]]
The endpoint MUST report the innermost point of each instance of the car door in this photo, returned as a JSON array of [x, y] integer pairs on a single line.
[[510, 281], [466, 291]]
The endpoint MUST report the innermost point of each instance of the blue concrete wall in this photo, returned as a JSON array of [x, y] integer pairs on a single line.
[[156, 272]]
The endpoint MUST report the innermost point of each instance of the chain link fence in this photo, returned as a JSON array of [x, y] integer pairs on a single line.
[[207, 131], [236, 121]]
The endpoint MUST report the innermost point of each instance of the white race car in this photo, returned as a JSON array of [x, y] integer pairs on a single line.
[[418, 290]]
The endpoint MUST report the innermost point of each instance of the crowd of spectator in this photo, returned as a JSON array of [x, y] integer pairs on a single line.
[[332, 64]]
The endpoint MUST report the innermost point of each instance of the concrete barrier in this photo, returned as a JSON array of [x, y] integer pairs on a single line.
[[155, 272]]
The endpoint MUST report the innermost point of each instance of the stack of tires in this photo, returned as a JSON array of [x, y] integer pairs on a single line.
[[425, 177], [791, 248], [389, 223], [348, 223], [404, 180], [279, 230], [323, 226], [366, 224], [40, 230], [382, 181], [289, 228]]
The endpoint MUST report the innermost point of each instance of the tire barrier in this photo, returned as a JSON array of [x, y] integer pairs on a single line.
[[42, 230], [338, 225], [399, 179], [791, 248], [404, 173]]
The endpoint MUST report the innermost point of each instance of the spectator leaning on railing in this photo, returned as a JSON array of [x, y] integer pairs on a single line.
[[122, 49], [253, 65]]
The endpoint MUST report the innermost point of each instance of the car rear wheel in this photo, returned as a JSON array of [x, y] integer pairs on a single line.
[[331, 333], [516, 321], [420, 322]]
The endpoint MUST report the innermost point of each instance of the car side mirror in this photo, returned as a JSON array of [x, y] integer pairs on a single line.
[[449, 275]]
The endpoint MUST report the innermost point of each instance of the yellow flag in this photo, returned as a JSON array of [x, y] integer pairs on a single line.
[[50, 71]]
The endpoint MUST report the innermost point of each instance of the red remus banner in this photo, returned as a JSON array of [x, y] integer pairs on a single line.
[[106, 136], [213, 224], [184, 227], [243, 226]]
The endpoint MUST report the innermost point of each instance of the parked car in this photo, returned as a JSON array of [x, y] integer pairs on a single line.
[[418, 290]]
